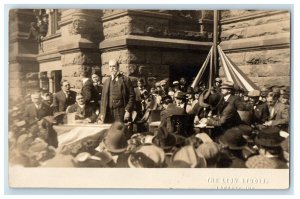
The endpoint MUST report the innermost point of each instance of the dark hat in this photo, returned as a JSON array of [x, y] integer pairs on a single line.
[[227, 85], [115, 140], [166, 99], [233, 138], [285, 95], [190, 90], [214, 100], [269, 137], [197, 89]]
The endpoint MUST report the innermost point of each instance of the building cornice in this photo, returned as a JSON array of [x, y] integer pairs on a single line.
[[146, 41], [251, 16]]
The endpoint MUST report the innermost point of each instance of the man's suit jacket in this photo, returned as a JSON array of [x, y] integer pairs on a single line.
[[227, 116], [90, 92], [60, 102], [172, 109], [127, 92], [280, 115], [261, 113], [32, 113], [87, 111]]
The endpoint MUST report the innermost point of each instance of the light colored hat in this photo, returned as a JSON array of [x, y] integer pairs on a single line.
[[204, 137], [261, 161], [187, 157], [147, 156], [176, 83], [254, 93], [210, 151], [227, 84]]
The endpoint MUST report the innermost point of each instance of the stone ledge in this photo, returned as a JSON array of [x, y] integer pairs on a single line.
[[136, 12], [82, 44], [52, 36], [133, 40], [268, 42], [250, 16], [52, 56], [23, 58]]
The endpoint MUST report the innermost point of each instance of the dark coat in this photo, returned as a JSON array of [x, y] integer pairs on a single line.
[[60, 102], [227, 116], [171, 110], [87, 112], [127, 94], [32, 113], [90, 93], [261, 113]]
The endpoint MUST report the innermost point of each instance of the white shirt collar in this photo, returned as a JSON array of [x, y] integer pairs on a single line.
[[226, 97], [85, 80]]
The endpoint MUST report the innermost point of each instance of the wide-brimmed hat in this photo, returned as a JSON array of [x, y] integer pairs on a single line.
[[261, 161], [210, 151], [233, 139], [187, 157], [175, 83], [167, 140], [115, 140], [269, 137], [227, 85], [147, 156]]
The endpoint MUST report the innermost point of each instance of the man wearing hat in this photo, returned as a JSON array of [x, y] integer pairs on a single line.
[[269, 142], [180, 98], [260, 110], [227, 90], [182, 84], [118, 96], [37, 109]]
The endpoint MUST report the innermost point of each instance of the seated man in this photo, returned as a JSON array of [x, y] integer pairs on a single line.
[[37, 110], [83, 113], [170, 109]]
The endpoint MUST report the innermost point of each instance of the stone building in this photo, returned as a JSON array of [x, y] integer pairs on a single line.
[[152, 44]]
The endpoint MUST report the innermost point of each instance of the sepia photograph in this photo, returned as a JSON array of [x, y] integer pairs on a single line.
[[145, 97]]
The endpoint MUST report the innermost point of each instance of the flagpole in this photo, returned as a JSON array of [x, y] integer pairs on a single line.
[[215, 43]]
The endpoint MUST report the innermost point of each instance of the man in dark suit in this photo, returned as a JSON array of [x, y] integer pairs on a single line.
[[63, 98], [170, 109], [84, 112], [37, 110], [227, 90], [260, 110], [91, 93], [118, 96]]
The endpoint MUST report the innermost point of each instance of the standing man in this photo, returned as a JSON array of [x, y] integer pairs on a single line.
[[64, 98], [117, 96]]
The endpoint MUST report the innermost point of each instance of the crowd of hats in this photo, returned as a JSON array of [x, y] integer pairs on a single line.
[[29, 144]]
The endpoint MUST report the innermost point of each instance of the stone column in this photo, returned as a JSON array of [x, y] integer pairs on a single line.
[[50, 78], [80, 34], [22, 51]]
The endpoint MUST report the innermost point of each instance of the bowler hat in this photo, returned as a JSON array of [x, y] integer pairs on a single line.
[[227, 85], [147, 156], [115, 140], [233, 139], [269, 137]]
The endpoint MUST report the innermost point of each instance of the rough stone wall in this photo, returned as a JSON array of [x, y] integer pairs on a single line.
[[258, 43], [22, 53]]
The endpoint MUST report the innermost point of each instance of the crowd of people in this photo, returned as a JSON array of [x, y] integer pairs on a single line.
[[165, 124]]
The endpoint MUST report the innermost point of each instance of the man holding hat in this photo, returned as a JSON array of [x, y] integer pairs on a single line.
[[260, 110]]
